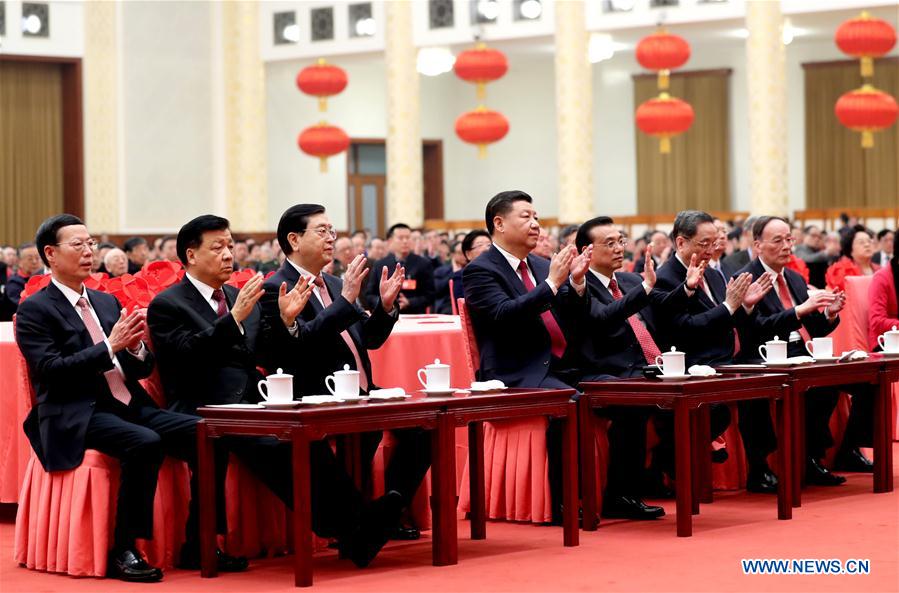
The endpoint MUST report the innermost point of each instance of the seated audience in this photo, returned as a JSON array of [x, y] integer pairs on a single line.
[[661, 250], [29, 264], [857, 249], [168, 249], [884, 252], [417, 293], [343, 255], [883, 296], [115, 262], [474, 244], [138, 252]]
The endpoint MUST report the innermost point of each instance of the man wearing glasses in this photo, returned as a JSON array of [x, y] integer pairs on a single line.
[[704, 327], [85, 356]]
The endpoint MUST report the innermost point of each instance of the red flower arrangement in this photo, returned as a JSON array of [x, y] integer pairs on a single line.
[[241, 277], [798, 266]]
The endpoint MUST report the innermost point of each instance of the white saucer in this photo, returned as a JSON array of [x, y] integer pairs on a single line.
[[491, 390], [439, 392], [673, 377], [279, 405], [235, 406], [388, 398], [319, 400], [706, 376], [826, 358], [351, 399], [889, 354]]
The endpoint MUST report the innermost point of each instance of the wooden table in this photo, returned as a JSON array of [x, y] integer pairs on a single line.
[[440, 415], [876, 370], [690, 399]]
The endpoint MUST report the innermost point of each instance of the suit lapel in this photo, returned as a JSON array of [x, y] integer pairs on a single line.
[[717, 286], [599, 291], [506, 270], [197, 301], [67, 311]]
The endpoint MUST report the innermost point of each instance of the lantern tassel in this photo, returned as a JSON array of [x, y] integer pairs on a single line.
[[322, 103], [867, 139], [665, 145], [323, 164], [867, 66], [481, 91], [664, 79], [482, 151]]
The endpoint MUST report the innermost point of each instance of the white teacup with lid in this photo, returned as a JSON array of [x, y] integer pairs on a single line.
[[889, 341], [437, 376], [278, 387], [774, 350], [343, 383], [671, 363]]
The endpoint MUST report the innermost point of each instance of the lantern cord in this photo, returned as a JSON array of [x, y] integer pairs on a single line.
[[322, 103], [867, 66], [323, 164], [482, 151], [867, 139], [481, 90], [664, 79], [665, 144]]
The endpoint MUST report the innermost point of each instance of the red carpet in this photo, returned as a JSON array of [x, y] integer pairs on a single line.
[[842, 523]]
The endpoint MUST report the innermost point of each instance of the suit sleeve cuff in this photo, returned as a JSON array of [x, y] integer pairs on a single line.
[[552, 286]]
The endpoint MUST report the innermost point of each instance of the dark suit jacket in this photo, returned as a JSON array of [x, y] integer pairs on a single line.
[[66, 370], [770, 319], [609, 345], [418, 268], [735, 261], [322, 350], [442, 276], [15, 284], [514, 343], [700, 328], [204, 359]]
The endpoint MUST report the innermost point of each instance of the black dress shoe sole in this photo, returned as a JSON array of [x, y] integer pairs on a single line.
[[761, 489], [853, 467], [836, 481], [404, 535], [151, 577], [647, 516]]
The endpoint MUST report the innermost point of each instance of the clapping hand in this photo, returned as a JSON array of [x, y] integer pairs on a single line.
[[291, 302], [834, 308], [580, 264], [694, 272], [757, 290], [560, 265], [247, 298], [353, 278], [128, 331], [816, 300], [649, 268], [390, 288], [737, 288]]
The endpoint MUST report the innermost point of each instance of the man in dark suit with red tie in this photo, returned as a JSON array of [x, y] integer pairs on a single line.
[[335, 332], [704, 328], [524, 308], [791, 314], [85, 356], [418, 289]]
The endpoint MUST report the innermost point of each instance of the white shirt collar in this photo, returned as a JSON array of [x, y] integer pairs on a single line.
[[70, 294], [300, 270], [677, 255], [768, 269], [205, 290], [513, 261], [602, 277]]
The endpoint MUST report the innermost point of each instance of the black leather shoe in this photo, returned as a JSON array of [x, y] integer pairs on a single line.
[[852, 460], [818, 475], [761, 479], [626, 507], [363, 544], [403, 533], [190, 560], [129, 565]]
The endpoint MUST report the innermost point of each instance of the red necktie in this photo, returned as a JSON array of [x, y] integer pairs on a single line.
[[557, 339], [647, 344], [326, 301], [113, 377], [784, 293], [218, 295]]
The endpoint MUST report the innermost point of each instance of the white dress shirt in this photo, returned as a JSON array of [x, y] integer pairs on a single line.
[[514, 262], [206, 292], [606, 281]]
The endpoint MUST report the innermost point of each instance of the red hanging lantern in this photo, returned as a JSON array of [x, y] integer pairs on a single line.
[[322, 80], [865, 37], [323, 141], [480, 66], [482, 127], [663, 52], [866, 110], [664, 117]]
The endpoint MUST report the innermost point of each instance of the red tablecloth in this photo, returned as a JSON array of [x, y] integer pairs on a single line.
[[14, 447]]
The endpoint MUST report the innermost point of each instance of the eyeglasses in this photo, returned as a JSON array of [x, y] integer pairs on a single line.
[[324, 231], [705, 244], [779, 241], [612, 244], [79, 245]]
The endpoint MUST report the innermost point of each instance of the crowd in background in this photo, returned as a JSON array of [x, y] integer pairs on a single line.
[[823, 258]]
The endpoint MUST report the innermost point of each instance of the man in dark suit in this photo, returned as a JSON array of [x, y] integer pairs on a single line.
[[210, 338], [660, 249], [618, 343], [85, 355], [739, 258], [418, 284], [791, 314], [138, 252], [704, 327], [29, 265], [335, 332], [525, 310]]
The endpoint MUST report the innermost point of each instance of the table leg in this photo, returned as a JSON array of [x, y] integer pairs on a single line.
[[695, 472], [888, 420], [570, 533], [302, 512], [443, 502], [682, 464], [206, 479], [705, 458], [797, 408], [782, 423], [478, 513], [882, 395], [588, 465]]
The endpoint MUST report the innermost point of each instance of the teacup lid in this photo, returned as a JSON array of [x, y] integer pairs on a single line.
[[893, 331], [346, 371], [674, 352], [437, 364], [279, 375], [776, 340]]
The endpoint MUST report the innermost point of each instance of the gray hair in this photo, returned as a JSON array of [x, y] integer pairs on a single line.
[[687, 222]]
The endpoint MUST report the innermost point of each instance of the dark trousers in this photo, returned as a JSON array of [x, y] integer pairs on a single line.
[[335, 502], [757, 430], [409, 463], [140, 437], [819, 406], [663, 422], [860, 427]]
